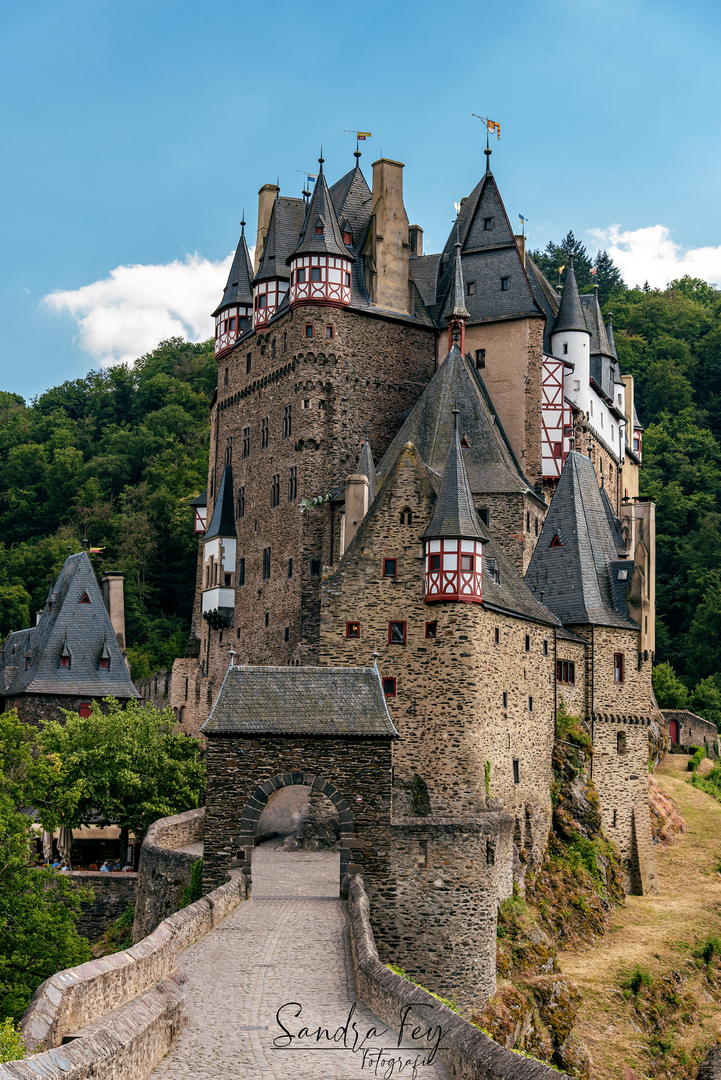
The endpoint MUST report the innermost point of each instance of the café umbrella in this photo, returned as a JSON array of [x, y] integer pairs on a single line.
[[65, 842]]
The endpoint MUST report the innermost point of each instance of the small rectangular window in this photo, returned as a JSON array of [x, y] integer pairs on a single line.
[[530, 704], [292, 483], [241, 571], [504, 284], [315, 567], [434, 561], [275, 490], [496, 635], [264, 432], [528, 642], [272, 349], [487, 224], [565, 348], [266, 564], [431, 629], [470, 288], [329, 332], [480, 358], [466, 562], [484, 515], [516, 771], [231, 324], [308, 329], [85, 709], [618, 667], [545, 647], [286, 636], [290, 568], [301, 279], [226, 376], [65, 661], [104, 663], [315, 274], [352, 629], [240, 503], [267, 618], [246, 442], [390, 567], [396, 633], [347, 281], [248, 363], [287, 421], [505, 699], [389, 687]]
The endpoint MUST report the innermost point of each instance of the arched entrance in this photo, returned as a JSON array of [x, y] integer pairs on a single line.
[[673, 731], [253, 809]]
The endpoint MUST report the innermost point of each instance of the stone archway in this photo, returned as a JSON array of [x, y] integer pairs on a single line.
[[250, 814]]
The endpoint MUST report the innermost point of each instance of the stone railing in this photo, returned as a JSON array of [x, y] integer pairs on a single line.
[[165, 868], [467, 1052], [118, 1015]]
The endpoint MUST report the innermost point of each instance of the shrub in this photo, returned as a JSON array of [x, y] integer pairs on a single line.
[[12, 1047], [194, 891], [697, 759], [636, 979]]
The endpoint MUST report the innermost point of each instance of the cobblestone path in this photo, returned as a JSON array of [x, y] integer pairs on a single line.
[[288, 944]]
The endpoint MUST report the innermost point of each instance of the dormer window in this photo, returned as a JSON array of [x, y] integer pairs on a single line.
[[65, 661], [487, 224], [470, 288], [347, 237], [104, 663], [556, 542], [319, 230], [505, 284], [28, 662]]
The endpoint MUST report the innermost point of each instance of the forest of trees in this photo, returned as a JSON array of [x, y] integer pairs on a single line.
[[118, 456]]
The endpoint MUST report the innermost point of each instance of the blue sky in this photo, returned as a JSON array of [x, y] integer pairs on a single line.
[[135, 133]]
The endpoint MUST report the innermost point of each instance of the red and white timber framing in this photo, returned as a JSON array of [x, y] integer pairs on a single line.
[[320, 279], [267, 297], [556, 418], [229, 325], [454, 571]]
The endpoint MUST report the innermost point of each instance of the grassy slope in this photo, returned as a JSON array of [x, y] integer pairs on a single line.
[[657, 932]]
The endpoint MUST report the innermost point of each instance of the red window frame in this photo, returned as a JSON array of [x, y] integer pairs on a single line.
[[352, 630], [404, 629], [389, 687], [432, 629], [85, 709], [386, 564], [435, 560], [618, 672]]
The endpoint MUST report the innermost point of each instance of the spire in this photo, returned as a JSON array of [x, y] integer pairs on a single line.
[[367, 468], [570, 313], [321, 232], [222, 523], [455, 307], [609, 335], [488, 153], [238, 288], [455, 514]]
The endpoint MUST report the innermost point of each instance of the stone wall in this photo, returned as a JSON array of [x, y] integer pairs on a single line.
[[112, 895], [515, 522], [155, 690], [467, 1053], [33, 708], [694, 730], [634, 693], [573, 693], [166, 862], [243, 771]]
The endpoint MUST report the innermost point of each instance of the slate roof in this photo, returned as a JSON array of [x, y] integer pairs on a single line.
[[575, 579], [200, 500], [614, 523], [320, 701], [222, 521], [367, 468], [424, 271], [455, 307], [353, 204], [511, 593], [238, 288], [454, 513], [67, 624], [429, 426], [570, 312], [610, 336], [321, 213], [487, 256], [595, 324], [284, 229]]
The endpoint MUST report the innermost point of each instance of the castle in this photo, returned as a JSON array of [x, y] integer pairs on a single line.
[[424, 471]]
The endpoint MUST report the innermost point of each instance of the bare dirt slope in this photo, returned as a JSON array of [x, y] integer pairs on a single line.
[[659, 933]]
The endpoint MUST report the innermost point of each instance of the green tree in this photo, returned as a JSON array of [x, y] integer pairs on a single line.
[[14, 608], [608, 277], [38, 908], [706, 699], [670, 692], [129, 764]]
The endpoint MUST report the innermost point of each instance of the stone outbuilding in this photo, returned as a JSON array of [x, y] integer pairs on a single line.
[[686, 729]]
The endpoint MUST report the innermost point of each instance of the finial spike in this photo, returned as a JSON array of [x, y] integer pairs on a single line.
[[488, 153], [321, 159], [375, 654], [456, 414], [231, 653], [242, 221]]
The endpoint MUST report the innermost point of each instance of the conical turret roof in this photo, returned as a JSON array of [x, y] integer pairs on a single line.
[[455, 514], [238, 288], [222, 523], [284, 228], [353, 204], [570, 313], [455, 307], [321, 216], [600, 344]]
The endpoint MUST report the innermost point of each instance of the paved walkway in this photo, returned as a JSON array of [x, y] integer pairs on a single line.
[[288, 944]]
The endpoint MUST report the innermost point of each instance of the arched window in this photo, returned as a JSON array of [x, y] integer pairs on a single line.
[[406, 516]]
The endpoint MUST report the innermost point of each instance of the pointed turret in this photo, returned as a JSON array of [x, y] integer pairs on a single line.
[[270, 284], [601, 363], [234, 312], [570, 313], [571, 341], [321, 265], [610, 336], [454, 539], [455, 311], [367, 468], [219, 543]]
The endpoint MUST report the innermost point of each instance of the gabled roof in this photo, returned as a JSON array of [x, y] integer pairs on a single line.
[[367, 468], [321, 214], [545, 296], [454, 514], [238, 288], [595, 324], [319, 701], [570, 313], [76, 627], [455, 307], [573, 578], [353, 204], [488, 255], [424, 271], [222, 522], [200, 500], [284, 229], [429, 426]]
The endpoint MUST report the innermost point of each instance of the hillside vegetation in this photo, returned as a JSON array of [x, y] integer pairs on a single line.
[[117, 456]]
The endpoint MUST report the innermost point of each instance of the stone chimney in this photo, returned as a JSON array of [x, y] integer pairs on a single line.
[[388, 247], [112, 586], [521, 245], [266, 198], [415, 239], [356, 506]]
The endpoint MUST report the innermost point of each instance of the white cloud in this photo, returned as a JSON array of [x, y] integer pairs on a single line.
[[651, 255], [126, 314]]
